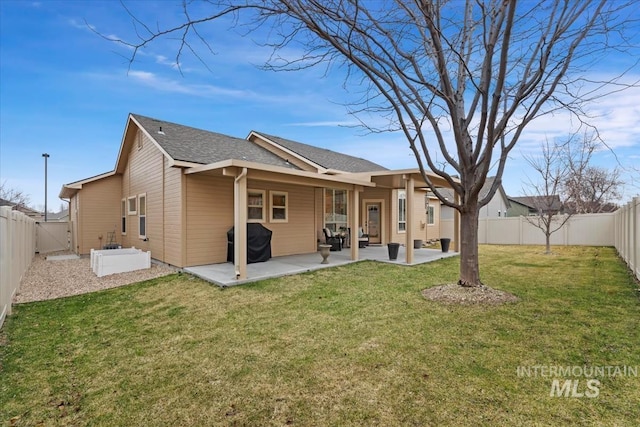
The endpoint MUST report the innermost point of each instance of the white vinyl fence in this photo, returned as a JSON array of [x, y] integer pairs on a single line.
[[17, 248], [627, 234], [52, 236], [586, 230]]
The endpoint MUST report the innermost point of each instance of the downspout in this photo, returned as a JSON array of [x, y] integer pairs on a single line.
[[238, 178]]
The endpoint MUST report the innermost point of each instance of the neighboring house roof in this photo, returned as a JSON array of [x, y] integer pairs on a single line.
[[547, 203], [188, 144], [328, 159], [55, 216], [20, 208]]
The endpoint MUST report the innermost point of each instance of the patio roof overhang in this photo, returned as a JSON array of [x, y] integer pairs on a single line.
[[397, 178], [262, 172]]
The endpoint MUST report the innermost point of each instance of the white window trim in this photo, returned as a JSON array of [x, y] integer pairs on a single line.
[[135, 210], [263, 206], [123, 214], [141, 215], [272, 206], [401, 192]]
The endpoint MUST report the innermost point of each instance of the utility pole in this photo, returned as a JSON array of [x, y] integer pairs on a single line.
[[46, 156]]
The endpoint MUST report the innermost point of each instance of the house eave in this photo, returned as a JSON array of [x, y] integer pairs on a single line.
[[268, 172]]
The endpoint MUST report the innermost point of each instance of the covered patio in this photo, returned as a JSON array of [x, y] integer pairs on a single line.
[[224, 274]]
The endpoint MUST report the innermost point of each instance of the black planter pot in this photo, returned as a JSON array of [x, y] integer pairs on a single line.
[[445, 244], [393, 250]]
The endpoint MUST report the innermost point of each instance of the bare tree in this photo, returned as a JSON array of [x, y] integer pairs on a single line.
[[17, 197], [460, 80], [543, 192], [594, 190]]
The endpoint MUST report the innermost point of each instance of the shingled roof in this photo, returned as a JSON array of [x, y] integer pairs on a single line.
[[325, 158], [184, 143]]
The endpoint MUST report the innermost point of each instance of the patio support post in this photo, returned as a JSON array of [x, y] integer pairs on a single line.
[[354, 221], [409, 186], [456, 224], [240, 224]]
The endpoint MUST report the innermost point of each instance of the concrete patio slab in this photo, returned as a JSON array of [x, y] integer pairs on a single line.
[[224, 274]]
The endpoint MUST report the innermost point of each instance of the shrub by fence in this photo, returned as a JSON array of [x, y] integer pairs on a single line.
[[627, 234], [17, 248]]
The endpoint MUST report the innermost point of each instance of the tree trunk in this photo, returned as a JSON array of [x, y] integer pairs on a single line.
[[469, 267], [548, 248]]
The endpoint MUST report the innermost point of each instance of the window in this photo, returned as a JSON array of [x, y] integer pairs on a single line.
[[142, 215], [335, 209], [430, 215], [131, 205], [123, 212], [279, 203], [402, 211], [255, 206]]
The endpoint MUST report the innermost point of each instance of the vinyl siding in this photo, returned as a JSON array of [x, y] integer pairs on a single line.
[[144, 175], [209, 204], [209, 216], [173, 221], [99, 213], [298, 234]]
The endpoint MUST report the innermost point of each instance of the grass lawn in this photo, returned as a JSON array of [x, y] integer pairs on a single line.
[[352, 345]]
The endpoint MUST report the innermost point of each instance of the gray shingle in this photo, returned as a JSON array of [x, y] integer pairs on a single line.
[[326, 158], [189, 144]]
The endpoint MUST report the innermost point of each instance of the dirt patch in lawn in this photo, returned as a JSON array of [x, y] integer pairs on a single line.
[[456, 294]]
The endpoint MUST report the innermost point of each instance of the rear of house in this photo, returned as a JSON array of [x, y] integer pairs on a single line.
[[176, 191]]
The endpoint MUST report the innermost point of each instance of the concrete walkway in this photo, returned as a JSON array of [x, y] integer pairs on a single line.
[[224, 275]]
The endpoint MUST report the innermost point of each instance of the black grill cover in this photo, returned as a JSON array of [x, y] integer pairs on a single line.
[[258, 243]]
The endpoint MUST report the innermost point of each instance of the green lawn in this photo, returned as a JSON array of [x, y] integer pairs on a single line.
[[352, 345]]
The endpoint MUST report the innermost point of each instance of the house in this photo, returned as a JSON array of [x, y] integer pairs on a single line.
[[176, 191], [62, 216], [31, 213], [497, 207], [532, 205]]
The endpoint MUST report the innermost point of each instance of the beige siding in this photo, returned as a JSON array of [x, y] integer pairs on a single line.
[[298, 234], [209, 216], [173, 236], [144, 175], [209, 205], [99, 213]]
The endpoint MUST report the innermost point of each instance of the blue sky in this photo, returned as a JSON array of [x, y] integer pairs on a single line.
[[67, 92]]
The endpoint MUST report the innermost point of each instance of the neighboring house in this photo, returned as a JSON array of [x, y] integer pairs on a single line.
[[31, 213], [531, 205], [177, 190], [497, 207], [62, 216]]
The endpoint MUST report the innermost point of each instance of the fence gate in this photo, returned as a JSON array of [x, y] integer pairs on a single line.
[[52, 236]]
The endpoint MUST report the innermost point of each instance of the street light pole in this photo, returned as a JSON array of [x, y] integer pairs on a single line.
[[46, 156]]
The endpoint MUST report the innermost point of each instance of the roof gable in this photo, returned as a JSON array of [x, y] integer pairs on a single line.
[[188, 144], [322, 157]]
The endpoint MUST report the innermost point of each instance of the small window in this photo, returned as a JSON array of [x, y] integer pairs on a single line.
[[279, 204], [255, 206], [142, 215], [430, 213], [131, 206], [402, 211], [123, 214]]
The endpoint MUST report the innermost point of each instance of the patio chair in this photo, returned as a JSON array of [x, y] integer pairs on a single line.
[[363, 239], [332, 239]]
